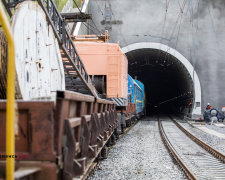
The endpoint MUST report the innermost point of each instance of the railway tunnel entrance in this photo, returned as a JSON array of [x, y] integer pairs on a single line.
[[171, 84]]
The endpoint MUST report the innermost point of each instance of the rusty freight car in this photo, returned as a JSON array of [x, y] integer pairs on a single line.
[[59, 140]]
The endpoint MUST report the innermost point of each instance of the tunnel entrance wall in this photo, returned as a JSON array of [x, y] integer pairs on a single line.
[[182, 59]]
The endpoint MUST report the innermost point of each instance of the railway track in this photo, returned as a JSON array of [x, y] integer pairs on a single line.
[[132, 156], [197, 159]]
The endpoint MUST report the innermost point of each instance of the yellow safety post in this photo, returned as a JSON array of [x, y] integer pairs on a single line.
[[10, 108]]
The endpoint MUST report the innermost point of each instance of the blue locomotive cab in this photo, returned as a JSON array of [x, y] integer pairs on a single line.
[[136, 94], [131, 89], [143, 93]]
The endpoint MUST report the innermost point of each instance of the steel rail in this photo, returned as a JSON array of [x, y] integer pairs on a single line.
[[205, 146], [169, 146]]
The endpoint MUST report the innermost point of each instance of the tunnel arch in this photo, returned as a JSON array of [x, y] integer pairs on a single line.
[[159, 46]]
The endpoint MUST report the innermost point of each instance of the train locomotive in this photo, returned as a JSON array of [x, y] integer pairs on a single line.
[[142, 95], [136, 95], [108, 67]]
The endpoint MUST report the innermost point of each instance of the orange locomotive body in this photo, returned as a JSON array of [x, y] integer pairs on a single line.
[[108, 66]]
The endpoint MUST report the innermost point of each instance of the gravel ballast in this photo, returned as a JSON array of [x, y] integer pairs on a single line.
[[214, 141], [216, 128], [140, 154]]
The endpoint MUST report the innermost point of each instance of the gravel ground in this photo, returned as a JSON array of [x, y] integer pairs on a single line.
[[202, 164], [140, 154], [214, 141], [216, 128]]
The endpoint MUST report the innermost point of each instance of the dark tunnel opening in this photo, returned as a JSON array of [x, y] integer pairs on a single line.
[[168, 84]]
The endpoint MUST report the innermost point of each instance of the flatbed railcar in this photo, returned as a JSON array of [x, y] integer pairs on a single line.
[[59, 140]]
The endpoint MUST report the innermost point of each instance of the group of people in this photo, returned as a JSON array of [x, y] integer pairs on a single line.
[[212, 115]]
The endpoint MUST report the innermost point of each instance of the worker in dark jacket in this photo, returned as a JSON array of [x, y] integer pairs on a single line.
[[209, 113], [220, 116], [207, 116]]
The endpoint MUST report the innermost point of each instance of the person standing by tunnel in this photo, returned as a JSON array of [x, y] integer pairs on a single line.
[[190, 107]]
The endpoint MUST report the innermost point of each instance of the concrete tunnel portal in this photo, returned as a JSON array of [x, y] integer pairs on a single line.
[[171, 83]]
